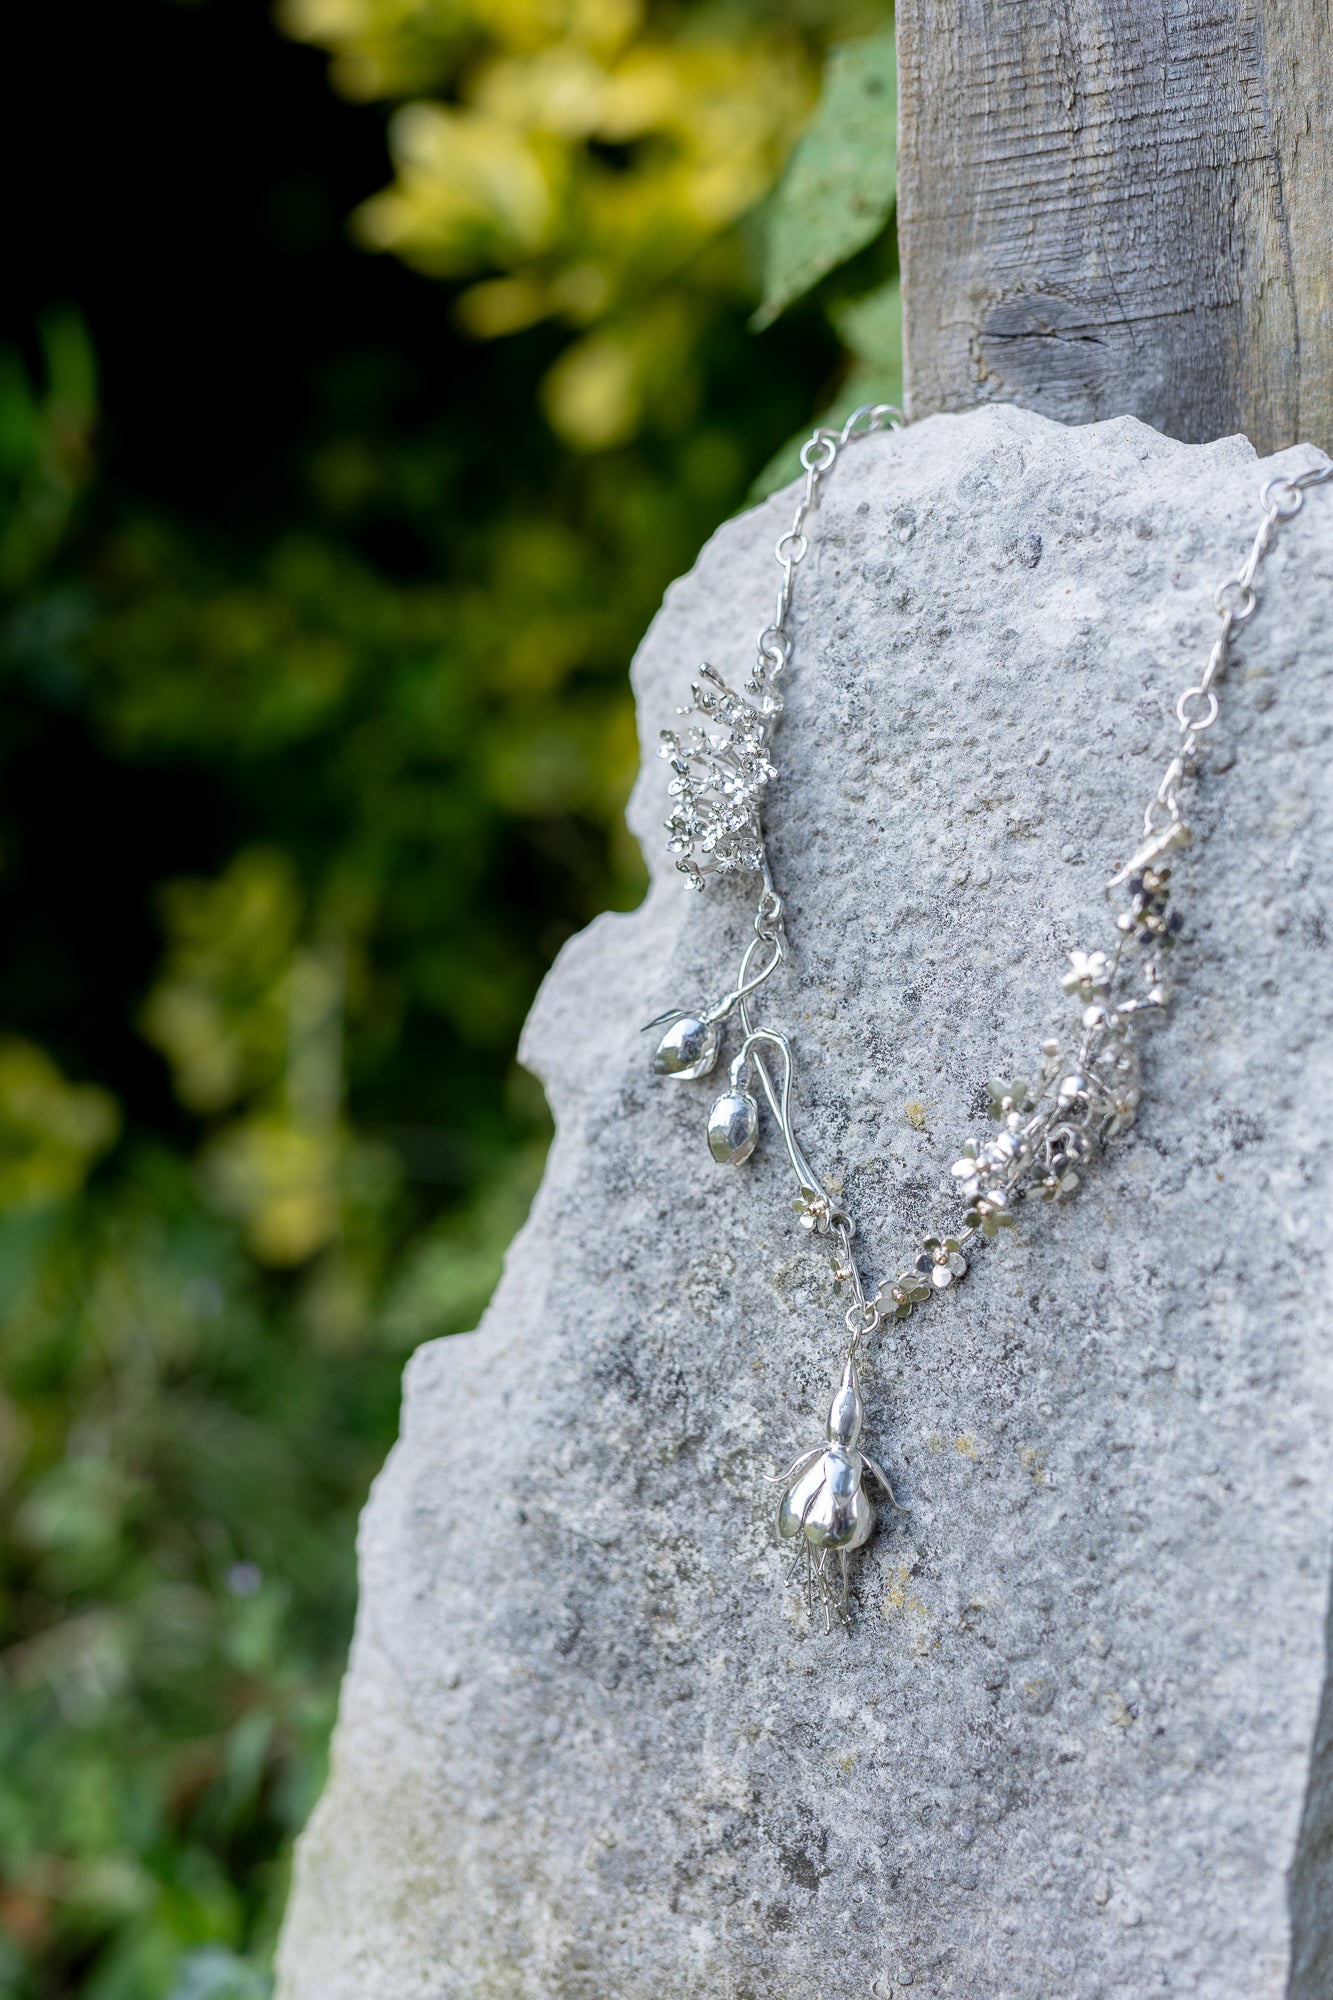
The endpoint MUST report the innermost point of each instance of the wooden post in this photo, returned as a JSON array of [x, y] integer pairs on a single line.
[[1120, 205]]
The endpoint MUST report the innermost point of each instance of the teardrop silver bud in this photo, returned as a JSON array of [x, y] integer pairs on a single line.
[[846, 1413], [688, 1048], [733, 1127]]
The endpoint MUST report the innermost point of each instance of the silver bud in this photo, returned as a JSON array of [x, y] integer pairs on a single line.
[[846, 1411], [688, 1048], [733, 1127]]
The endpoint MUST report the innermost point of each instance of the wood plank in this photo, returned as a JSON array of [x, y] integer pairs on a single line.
[[1113, 205]]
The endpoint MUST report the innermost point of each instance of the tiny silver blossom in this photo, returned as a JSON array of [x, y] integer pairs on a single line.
[[1122, 1109], [941, 1262], [908, 1289], [1089, 975], [1008, 1096], [814, 1211], [1054, 1183], [989, 1213]]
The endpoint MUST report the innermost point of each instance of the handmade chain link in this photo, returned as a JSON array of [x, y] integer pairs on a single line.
[[1235, 602], [773, 647]]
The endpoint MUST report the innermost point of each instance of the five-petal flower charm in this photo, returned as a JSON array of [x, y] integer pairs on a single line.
[[1149, 917], [908, 1289], [814, 1210], [989, 1214], [1056, 1181], [941, 1261], [1122, 1110], [1008, 1097], [1089, 974]]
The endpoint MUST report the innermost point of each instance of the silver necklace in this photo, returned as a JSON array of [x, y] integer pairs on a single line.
[[1051, 1127]]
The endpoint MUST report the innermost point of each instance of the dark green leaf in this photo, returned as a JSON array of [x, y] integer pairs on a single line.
[[839, 187]]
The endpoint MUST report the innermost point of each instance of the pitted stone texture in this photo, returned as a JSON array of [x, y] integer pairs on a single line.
[[588, 1748]]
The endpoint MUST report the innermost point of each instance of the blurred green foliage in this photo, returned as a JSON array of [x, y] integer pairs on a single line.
[[313, 637]]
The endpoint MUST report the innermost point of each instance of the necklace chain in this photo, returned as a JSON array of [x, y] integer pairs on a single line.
[[1086, 1090]]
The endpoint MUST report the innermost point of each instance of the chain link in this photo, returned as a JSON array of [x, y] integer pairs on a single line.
[[773, 650], [773, 647], [1235, 602]]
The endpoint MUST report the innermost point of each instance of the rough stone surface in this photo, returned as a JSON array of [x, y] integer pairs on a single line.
[[588, 1748]]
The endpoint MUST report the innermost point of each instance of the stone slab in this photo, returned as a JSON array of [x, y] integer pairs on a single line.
[[588, 1747]]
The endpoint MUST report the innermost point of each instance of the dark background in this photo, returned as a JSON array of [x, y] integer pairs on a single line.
[[315, 740]]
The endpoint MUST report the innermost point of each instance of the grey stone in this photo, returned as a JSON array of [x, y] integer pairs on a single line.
[[588, 1748]]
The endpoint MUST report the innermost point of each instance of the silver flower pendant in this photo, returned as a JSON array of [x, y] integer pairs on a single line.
[[825, 1505]]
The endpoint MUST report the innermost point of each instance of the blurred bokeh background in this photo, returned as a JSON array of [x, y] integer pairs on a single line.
[[369, 367]]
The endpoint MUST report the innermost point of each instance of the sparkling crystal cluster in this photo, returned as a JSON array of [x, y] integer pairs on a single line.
[[719, 770]]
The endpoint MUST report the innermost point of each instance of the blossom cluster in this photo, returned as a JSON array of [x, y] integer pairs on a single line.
[[1087, 1093]]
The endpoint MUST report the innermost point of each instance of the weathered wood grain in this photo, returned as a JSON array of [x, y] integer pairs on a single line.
[[1120, 205]]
